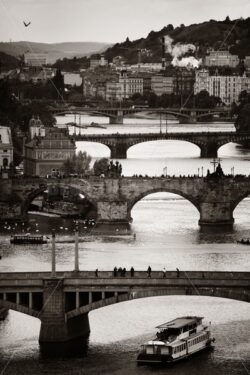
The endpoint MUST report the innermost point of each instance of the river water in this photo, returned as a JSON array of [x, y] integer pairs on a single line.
[[167, 235]]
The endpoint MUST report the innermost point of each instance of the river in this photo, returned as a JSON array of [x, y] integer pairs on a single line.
[[167, 235]]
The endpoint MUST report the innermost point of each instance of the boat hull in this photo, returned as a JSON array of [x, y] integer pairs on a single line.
[[144, 359]]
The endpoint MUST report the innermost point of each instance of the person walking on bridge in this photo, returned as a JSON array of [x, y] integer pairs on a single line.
[[149, 271], [164, 273]]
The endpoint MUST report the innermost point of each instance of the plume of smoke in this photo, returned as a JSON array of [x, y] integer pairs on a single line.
[[178, 50], [187, 62]]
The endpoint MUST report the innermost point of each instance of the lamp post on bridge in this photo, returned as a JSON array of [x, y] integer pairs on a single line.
[[53, 255], [76, 269]]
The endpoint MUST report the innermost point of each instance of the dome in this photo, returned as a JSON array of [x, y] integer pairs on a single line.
[[35, 121]]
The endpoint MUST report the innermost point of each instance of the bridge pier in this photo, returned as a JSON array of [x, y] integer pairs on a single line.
[[118, 151], [216, 213], [55, 328], [116, 120], [209, 150], [112, 217]]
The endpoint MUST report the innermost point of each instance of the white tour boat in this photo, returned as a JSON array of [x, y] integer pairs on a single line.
[[176, 340]]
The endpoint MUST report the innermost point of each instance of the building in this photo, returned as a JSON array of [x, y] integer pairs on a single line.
[[36, 127], [45, 155], [162, 85], [35, 59], [227, 87], [183, 82], [113, 91], [98, 61], [130, 85], [221, 58], [6, 147]]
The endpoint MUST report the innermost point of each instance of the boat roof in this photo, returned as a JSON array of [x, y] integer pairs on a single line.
[[181, 322]]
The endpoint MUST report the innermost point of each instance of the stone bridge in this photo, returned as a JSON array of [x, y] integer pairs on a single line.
[[116, 115], [208, 142], [114, 198], [63, 302]]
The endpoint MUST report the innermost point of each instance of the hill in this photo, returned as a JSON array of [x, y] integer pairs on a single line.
[[55, 51], [234, 35]]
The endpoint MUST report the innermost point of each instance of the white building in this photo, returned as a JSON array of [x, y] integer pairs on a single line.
[[221, 58], [6, 147], [227, 88], [35, 59], [130, 85]]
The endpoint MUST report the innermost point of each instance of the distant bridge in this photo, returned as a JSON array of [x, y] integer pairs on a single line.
[[208, 142], [63, 302], [116, 115]]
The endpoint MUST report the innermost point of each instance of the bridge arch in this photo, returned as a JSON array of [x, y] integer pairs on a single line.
[[242, 295], [38, 190], [162, 190], [163, 139], [103, 149]]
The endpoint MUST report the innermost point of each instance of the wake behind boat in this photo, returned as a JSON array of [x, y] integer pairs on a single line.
[[27, 238], [176, 340]]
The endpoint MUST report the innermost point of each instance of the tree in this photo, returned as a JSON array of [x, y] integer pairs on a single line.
[[101, 166], [78, 164]]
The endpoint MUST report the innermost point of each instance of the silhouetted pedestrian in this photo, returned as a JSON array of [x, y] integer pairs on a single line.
[[119, 271], [115, 271], [177, 272], [96, 272], [132, 272], [124, 272], [164, 273], [149, 271]]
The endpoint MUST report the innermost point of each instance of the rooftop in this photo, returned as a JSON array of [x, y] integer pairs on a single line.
[[180, 322]]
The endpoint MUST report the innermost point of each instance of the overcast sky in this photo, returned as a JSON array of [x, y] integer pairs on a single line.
[[106, 20]]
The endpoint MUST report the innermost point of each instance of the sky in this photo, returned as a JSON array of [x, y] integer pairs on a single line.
[[108, 21]]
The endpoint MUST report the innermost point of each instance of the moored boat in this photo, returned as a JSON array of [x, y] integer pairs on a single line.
[[244, 241], [176, 340], [23, 239]]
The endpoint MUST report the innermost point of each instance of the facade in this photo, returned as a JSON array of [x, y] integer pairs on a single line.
[[113, 91], [226, 87], [95, 62], [130, 85], [184, 80], [35, 59], [162, 84], [6, 147], [221, 58], [44, 155]]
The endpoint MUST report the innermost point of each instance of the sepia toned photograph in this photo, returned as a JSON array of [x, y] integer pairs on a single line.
[[124, 187]]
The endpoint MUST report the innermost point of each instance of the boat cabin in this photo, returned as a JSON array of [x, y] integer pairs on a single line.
[[171, 330]]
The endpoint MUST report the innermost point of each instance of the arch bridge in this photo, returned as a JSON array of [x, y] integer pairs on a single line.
[[114, 198], [63, 302], [208, 142], [117, 114]]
